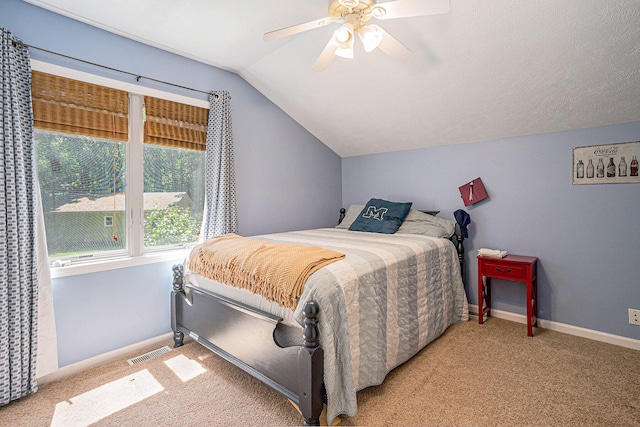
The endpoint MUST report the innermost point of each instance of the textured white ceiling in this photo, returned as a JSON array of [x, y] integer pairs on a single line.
[[488, 69]]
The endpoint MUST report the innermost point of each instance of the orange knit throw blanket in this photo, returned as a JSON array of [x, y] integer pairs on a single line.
[[277, 271]]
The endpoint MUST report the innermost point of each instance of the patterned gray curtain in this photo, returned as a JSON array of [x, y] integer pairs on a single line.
[[18, 261], [220, 213]]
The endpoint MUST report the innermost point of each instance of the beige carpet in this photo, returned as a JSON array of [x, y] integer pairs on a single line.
[[474, 375]]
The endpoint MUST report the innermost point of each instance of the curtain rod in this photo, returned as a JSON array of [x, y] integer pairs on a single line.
[[137, 76]]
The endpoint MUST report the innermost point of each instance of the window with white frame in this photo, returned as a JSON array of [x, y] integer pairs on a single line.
[[121, 174]]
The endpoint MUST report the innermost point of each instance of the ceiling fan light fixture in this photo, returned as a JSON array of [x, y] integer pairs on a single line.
[[344, 34], [371, 36], [343, 38]]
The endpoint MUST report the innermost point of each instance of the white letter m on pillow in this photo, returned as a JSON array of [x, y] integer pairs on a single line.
[[375, 213]]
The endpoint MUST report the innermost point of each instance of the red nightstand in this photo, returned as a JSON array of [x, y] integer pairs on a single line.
[[512, 267]]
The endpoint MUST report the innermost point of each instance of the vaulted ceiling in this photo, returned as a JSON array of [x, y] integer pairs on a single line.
[[485, 70]]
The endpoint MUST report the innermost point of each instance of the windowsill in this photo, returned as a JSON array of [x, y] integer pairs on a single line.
[[177, 255]]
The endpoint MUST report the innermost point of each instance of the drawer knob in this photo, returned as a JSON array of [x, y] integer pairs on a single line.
[[508, 270]]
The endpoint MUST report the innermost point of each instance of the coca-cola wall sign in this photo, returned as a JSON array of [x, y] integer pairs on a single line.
[[606, 164]]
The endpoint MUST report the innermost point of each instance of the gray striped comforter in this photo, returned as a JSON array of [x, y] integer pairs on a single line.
[[391, 296]]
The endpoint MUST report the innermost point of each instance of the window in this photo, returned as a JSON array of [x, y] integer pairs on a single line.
[[174, 144], [82, 182], [121, 174]]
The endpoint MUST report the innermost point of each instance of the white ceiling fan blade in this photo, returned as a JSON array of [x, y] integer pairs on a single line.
[[295, 29], [325, 58], [409, 8], [392, 47]]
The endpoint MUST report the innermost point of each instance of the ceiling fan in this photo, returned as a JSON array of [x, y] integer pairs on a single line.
[[355, 16]]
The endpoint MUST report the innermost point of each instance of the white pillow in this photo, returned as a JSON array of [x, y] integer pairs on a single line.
[[418, 222]]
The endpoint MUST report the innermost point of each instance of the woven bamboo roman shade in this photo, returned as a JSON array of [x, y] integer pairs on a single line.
[[173, 124], [80, 108]]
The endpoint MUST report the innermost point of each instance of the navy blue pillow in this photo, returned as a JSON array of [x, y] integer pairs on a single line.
[[381, 216]]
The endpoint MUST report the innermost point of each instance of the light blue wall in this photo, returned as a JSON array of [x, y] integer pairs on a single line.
[[286, 178], [587, 238], [99, 312]]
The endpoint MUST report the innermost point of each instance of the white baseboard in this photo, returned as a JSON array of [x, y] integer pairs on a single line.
[[564, 328], [101, 359]]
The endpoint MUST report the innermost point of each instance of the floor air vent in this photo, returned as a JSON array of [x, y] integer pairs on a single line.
[[150, 355]]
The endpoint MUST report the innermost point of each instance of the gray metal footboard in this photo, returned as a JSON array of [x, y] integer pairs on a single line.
[[245, 337]]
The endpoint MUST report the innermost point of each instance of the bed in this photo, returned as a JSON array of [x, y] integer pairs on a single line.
[[356, 319]]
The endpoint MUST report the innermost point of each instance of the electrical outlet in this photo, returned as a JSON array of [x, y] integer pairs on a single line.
[[634, 316]]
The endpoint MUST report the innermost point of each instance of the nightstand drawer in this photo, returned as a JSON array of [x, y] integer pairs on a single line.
[[501, 270]]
